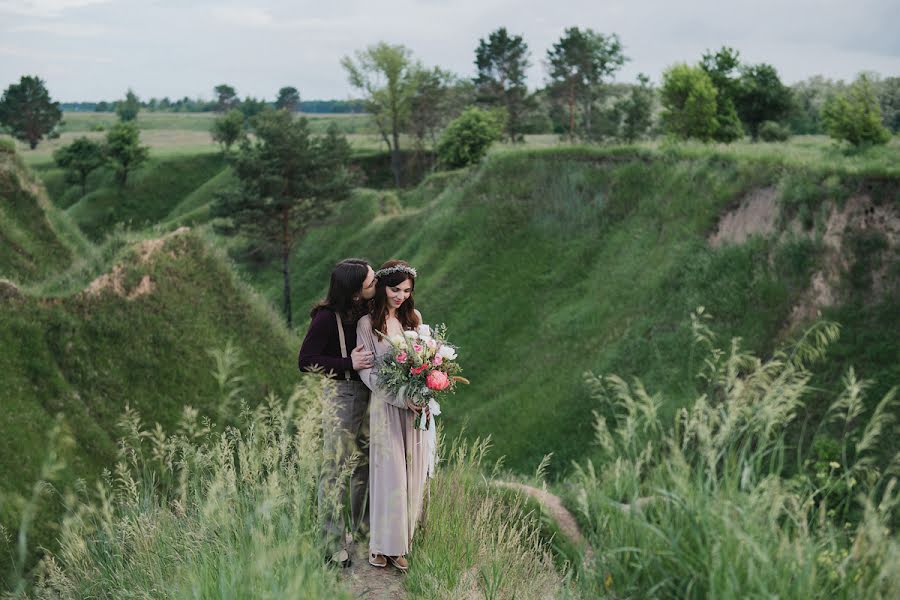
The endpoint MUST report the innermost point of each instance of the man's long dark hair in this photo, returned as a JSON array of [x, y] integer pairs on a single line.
[[347, 278], [406, 314]]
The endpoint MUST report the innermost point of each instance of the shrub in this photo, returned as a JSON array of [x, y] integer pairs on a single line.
[[689, 103], [855, 117], [771, 131], [468, 137]]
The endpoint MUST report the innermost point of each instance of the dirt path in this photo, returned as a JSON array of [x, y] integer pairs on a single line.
[[366, 581], [559, 513]]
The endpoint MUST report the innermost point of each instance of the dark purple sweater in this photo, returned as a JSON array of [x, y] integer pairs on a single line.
[[322, 347]]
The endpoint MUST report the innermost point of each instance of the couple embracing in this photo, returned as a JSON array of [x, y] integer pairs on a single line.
[[388, 482]]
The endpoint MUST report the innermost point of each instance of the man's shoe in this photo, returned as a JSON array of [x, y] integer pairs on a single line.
[[377, 560], [341, 558], [400, 562]]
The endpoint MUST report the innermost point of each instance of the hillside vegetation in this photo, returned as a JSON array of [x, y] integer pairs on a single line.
[[546, 264]]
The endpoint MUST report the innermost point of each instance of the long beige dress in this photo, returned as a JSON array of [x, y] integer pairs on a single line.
[[397, 459]]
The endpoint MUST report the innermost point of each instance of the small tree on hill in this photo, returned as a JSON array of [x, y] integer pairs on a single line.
[[288, 99], [855, 116], [226, 97], [431, 107], [123, 147], [228, 129], [289, 181], [468, 138], [80, 158], [387, 75], [761, 97], [689, 103], [27, 111], [128, 108], [579, 62], [637, 110], [502, 62], [250, 107], [723, 68]]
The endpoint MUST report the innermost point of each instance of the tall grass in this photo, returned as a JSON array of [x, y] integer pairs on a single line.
[[718, 504]]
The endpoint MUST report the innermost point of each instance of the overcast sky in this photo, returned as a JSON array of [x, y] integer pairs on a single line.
[[95, 49]]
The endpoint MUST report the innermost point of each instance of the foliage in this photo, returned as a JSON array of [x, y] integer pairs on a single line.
[[123, 147], [689, 103], [250, 107], [502, 61], [702, 490], [80, 159], [128, 108], [226, 98], [228, 129], [761, 97], [289, 181], [288, 99], [27, 110], [637, 110], [889, 96], [722, 68], [855, 116], [433, 104], [578, 64], [468, 137], [770, 131]]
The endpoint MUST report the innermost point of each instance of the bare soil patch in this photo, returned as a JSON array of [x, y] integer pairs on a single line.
[[756, 214]]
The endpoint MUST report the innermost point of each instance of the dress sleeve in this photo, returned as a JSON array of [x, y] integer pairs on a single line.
[[312, 352], [369, 376]]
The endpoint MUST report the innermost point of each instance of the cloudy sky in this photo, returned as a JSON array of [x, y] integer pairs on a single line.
[[95, 49]]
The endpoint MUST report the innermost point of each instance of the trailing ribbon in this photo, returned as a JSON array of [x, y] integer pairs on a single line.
[[427, 425]]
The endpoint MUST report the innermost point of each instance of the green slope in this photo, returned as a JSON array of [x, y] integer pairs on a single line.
[[546, 264]]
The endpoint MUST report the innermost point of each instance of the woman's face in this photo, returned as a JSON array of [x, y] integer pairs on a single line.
[[397, 294], [368, 287]]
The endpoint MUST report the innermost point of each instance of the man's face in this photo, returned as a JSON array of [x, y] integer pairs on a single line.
[[368, 287]]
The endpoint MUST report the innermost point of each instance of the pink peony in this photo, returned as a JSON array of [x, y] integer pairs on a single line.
[[437, 380], [401, 358], [438, 360], [417, 348]]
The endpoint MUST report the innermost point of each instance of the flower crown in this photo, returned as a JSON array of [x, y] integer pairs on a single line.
[[396, 269]]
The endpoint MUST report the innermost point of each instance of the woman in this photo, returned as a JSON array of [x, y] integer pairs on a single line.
[[345, 429], [397, 456]]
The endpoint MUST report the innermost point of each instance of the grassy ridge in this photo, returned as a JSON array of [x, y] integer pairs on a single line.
[[546, 264]]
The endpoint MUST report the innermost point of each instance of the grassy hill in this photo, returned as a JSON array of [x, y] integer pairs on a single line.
[[547, 264], [127, 323]]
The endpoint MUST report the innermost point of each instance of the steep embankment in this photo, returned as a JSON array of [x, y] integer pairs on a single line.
[[138, 335], [546, 264]]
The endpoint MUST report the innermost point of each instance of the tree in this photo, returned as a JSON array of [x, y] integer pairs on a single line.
[[226, 97], [502, 61], [468, 138], [387, 75], [228, 129], [723, 68], [27, 111], [889, 97], [288, 181], [578, 63], [128, 108], [856, 116], [637, 110], [689, 102], [431, 106], [251, 107], [80, 159], [288, 99], [761, 97], [124, 149]]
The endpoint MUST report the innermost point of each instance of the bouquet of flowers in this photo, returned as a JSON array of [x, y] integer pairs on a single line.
[[425, 364]]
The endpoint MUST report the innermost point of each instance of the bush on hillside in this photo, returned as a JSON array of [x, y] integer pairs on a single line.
[[689, 103], [770, 131], [855, 117], [468, 137]]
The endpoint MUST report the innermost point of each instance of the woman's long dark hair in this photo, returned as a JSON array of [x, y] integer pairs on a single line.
[[347, 279], [406, 314]]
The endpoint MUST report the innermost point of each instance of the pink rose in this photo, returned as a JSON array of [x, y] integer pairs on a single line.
[[417, 370], [438, 360], [437, 380], [401, 358], [417, 347]]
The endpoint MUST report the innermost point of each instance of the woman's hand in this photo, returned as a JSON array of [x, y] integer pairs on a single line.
[[362, 358], [413, 406]]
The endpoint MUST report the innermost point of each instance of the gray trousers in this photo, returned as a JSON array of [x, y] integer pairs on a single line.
[[345, 433]]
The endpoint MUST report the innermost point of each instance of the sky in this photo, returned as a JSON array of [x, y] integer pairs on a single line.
[[90, 50]]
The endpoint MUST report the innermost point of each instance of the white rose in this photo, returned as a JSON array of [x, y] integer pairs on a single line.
[[447, 352], [424, 331], [411, 334], [397, 340]]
